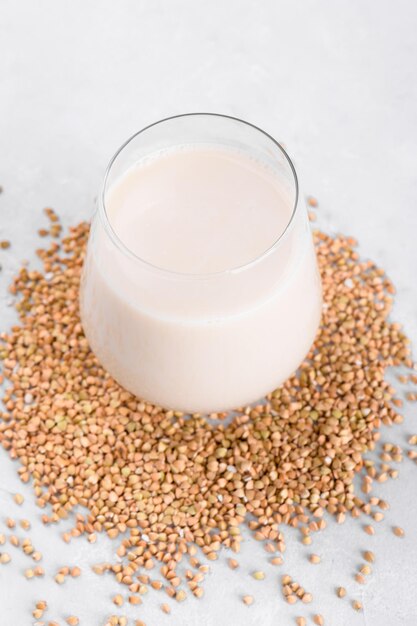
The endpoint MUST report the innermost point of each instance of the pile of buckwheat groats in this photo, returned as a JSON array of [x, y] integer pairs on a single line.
[[169, 487]]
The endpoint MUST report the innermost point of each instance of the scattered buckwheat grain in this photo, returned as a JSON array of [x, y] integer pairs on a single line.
[[369, 556], [161, 483], [314, 558], [180, 595]]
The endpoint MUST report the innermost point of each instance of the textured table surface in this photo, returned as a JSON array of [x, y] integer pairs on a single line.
[[336, 83]]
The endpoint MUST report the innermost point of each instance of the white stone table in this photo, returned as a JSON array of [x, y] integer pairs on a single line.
[[336, 82]]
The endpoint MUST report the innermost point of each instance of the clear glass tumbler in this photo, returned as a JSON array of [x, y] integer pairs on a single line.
[[201, 342]]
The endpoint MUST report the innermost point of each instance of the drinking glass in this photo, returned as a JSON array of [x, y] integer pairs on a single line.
[[201, 342]]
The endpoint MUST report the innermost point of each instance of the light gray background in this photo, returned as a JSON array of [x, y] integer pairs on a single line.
[[335, 81]]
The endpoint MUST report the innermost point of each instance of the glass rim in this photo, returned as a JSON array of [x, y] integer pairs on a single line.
[[117, 241]]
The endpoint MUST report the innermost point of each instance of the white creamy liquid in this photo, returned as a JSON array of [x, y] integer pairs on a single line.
[[211, 342]]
